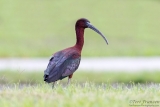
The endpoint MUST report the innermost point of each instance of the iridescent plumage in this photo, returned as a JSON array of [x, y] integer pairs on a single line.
[[65, 62]]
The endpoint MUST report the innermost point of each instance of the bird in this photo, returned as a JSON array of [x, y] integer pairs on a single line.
[[64, 63]]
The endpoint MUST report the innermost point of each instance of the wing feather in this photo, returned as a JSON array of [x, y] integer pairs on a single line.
[[71, 66], [62, 64]]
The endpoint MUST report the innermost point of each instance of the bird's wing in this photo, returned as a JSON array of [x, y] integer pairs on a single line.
[[61, 65], [71, 65], [50, 66], [53, 62]]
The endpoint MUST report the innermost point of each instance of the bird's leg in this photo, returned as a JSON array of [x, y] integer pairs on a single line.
[[53, 84], [69, 79], [58, 82]]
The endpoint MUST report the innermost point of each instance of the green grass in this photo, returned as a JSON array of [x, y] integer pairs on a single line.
[[79, 95], [11, 77], [31, 28], [87, 89]]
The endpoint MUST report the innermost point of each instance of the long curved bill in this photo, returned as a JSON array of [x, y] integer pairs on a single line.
[[96, 30]]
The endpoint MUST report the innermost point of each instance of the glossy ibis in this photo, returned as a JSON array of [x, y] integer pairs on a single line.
[[65, 62]]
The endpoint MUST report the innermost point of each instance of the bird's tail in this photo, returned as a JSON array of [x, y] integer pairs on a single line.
[[45, 77]]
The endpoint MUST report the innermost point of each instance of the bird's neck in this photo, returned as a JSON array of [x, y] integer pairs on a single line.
[[79, 37]]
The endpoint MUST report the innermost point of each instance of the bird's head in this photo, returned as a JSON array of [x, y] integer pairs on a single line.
[[82, 23], [85, 23]]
